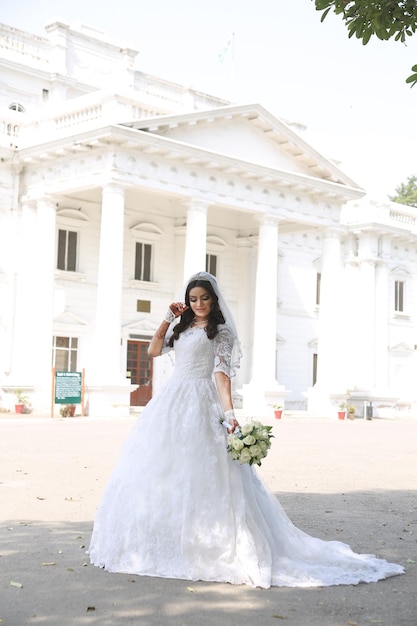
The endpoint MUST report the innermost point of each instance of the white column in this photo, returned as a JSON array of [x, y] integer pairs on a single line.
[[350, 314], [245, 303], [43, 304], [33, 320], [195, 239], [106, 361], [381, 326], [365, 299], [9, 255], [330, 320], [24, 328], [264, 331], [263, 389]]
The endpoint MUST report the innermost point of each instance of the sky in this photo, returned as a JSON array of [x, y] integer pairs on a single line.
[[353, 99]]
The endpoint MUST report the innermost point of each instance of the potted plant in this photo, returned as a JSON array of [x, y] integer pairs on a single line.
[[22, 402], [278, 408], [351, 411], [341, 414], [67, 410]]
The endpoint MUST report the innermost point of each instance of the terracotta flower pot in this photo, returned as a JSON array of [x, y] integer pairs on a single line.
[[18, 408], [278, 414], [341, 415]]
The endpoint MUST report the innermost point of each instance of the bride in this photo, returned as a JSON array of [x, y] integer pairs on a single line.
[[178, 506]]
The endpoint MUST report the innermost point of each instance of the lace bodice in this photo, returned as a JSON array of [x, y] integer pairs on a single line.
[[197, 356]]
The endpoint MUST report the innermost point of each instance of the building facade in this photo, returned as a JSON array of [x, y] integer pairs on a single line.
[[117, 186]]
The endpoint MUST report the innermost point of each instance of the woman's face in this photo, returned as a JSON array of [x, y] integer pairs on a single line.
[[200, 302]]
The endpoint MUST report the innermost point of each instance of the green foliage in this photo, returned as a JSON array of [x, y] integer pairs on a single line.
[[413, 78], [406, 192], [381, 18]]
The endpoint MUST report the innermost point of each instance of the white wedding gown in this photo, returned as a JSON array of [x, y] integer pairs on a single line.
[[178, 506]]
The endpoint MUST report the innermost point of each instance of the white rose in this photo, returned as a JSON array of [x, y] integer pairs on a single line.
[[237, 444], [245, 456], [249, 440], [246, 429], [255, 450]]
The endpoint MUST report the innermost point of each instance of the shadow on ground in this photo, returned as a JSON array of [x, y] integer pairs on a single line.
[[46, 578]]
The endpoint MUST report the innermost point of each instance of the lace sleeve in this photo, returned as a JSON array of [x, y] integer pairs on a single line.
[[223, 348], [165, 347]]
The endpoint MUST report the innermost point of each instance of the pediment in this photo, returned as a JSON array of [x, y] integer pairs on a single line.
[[75, 214], [66, 320], [140, 326], [249, 133], [401, 347]]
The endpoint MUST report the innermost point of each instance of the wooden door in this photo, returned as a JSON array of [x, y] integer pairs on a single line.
[[139, 364]]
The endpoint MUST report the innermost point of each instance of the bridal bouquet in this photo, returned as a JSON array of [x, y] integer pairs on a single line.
[[250, 443]]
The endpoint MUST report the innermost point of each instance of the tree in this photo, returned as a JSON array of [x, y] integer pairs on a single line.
[[381, 18], [406, 192]]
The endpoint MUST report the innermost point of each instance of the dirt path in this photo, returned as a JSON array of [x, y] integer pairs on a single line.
[[355, 481]]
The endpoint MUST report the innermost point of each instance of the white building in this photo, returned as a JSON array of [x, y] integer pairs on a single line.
[[117, 185]]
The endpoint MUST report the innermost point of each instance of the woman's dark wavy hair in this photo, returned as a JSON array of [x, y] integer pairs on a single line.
[[215, 316]]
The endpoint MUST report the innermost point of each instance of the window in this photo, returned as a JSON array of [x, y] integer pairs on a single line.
[[64, 354], [143, 259], [15, 106], [211, 264], [67, 250], [399, 296], [318, 285]]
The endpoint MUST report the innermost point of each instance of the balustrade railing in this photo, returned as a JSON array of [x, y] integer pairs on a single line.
[[392, 214], [11, 124], [176, 98], [17, 42], [404, 215]]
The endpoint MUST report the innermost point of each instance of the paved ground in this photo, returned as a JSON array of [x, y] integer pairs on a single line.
[[354, 480]]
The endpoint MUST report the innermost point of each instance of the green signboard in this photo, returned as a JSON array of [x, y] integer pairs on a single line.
[[68, 387]]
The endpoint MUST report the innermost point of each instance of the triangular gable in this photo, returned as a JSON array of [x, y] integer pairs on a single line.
[[69, 322], [142, 325], [401, 348], [249, 133]]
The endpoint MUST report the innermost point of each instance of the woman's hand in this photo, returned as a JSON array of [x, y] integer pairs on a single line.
[[234, 424], [178, 308]]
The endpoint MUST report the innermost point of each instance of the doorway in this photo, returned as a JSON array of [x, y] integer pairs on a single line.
[[139, 364]]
